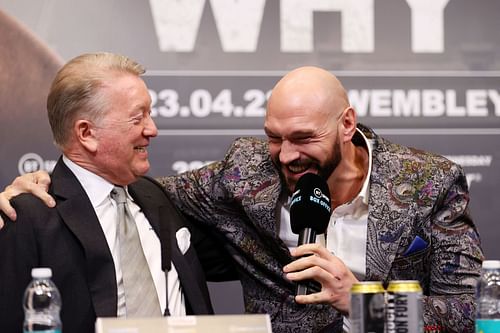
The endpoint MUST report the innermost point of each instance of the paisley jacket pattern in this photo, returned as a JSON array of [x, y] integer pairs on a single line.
[[412, 193]]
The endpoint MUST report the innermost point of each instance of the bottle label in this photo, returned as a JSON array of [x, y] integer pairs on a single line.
[[487, 325], [58, 330]]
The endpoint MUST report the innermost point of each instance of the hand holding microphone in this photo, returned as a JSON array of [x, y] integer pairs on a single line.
[[322, 277], [309, 215]]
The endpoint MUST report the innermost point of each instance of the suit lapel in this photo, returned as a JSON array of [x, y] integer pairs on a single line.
[[388, 219], [152, 208], [187, 265], [78, 214], [148, 203], [262, 206], [165, 221]]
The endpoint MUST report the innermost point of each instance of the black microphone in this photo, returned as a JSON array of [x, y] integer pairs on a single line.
[[309, 215]]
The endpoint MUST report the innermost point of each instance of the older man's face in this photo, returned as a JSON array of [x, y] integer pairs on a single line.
[[125, 132]]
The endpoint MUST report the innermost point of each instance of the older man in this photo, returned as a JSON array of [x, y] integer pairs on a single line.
[[398, 213], [115, 244]]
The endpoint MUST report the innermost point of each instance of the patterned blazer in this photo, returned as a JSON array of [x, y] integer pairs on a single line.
[[418, 229]]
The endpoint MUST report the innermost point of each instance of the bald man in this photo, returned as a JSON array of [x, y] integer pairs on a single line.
[[398, 213]]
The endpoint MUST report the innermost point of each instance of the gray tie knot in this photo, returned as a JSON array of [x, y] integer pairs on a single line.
[[119, 195]]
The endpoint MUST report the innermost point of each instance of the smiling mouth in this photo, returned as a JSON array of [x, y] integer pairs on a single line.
[[141, 149], [298, 167]]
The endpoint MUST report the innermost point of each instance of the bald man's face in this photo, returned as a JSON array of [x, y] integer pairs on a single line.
[[302, 139], [302, 123]]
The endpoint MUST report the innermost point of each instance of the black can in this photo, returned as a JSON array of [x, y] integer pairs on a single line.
[[404, 307], [367, 313]]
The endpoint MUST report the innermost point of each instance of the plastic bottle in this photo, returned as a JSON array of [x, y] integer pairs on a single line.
[[42, 304], [488, 298]]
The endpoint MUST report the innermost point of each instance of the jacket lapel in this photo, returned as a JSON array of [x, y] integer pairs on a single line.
[[262, 207], [78, 214], [187, 265], [164, 220], [388, 218], [152, 206]]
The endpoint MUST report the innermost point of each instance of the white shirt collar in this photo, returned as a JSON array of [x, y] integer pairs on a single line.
[[364, 193], [96, 187]]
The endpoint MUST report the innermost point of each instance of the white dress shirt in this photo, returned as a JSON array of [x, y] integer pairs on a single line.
[[346, 232], [98, 190]]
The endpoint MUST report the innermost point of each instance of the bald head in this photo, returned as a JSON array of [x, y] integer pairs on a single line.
[[308, 124], [311, 88]]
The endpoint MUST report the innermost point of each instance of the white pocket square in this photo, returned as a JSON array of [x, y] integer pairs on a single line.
[[183, 239]]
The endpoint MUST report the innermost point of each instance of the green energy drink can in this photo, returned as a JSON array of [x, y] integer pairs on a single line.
[[367, 307], [404, 307]]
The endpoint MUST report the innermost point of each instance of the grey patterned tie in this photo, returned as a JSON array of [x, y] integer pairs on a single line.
[[141, 299]]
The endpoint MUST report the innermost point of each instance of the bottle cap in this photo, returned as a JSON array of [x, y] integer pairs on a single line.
[[491, 264], [41, 273]]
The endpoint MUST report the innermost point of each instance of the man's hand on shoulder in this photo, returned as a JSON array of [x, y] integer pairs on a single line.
[[36, 183]]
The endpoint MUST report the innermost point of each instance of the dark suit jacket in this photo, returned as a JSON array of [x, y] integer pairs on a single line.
[[69, 239]]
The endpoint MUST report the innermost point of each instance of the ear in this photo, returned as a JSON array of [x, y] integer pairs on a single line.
[[349, 122], [86, 134]]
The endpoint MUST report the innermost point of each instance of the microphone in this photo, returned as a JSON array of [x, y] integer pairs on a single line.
[[310, 212]]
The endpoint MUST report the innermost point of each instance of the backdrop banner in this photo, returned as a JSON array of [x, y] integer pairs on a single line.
[[424, 73]]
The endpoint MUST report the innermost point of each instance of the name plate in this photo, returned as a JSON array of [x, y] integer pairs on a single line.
[[247, 323]]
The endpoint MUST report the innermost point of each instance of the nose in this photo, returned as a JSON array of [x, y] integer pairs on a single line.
[[288, 152], [150, 129]]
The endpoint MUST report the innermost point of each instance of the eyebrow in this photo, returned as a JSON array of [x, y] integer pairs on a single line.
[[267, 131], [301, 134], [298, 134]]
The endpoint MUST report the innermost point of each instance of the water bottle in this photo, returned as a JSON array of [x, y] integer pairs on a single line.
[[42, 303], [488, 298]]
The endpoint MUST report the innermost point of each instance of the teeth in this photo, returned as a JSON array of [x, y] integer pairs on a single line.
[[141, 149], [296, 169]]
